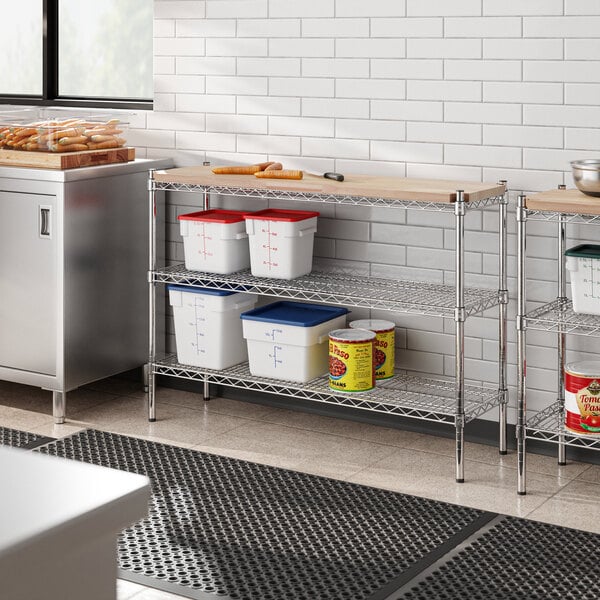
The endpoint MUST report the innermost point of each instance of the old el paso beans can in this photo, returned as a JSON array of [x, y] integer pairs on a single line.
[[582, 397], [385, 340], [351, 363]]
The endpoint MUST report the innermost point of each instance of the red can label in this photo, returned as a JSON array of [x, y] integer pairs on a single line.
[[582, 403]]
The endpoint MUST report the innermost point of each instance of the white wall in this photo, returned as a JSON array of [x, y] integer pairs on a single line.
[[461, 89]]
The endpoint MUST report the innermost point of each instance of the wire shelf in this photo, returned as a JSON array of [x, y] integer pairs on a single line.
[[544, 215], [548, 426], [268, 194], [407, 396], [558, 316], [342, 289]]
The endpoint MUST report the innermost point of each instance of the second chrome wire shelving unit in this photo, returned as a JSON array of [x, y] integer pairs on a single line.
[[453, 402], [561, 207]]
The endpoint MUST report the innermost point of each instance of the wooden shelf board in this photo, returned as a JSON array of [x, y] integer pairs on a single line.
[[570, 201], [428, 190]]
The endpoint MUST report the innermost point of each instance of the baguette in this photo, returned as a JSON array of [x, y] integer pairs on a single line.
[[280, 174], [237, 170]]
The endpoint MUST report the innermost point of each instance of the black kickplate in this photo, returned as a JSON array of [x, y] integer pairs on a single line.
[[516, 559], [231, 529], [21, 439]]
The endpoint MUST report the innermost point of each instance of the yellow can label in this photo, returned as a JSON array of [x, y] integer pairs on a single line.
[[351, 365], [385, 354]]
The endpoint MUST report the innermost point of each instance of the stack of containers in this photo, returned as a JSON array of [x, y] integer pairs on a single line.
[[285, 340], [208, 330], [289, 340], [215, 241], [281, 242]]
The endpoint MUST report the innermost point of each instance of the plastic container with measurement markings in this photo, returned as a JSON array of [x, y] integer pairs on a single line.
[[583, 263], [289, 340], [215, 241], [281, 242], [208, 330]]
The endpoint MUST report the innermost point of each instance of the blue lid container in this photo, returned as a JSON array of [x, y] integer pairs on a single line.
[[299, 314], [199, 290]]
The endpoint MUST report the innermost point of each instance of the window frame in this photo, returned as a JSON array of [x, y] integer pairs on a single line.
[[50, 96]]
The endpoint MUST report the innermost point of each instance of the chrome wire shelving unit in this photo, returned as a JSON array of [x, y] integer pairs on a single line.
[[561, 207], [402, 395], [548, 426], [344, 289], [452, 401]]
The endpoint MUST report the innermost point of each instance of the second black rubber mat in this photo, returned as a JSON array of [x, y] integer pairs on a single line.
[[226, 528], [516, 559]]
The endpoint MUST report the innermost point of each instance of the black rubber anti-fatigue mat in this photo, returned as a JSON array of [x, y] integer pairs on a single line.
[[515, 559], [221, 527], [21, 439]]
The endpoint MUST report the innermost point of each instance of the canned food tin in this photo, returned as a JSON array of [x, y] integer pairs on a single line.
[[385, 340], [351, 364], [582, 397]]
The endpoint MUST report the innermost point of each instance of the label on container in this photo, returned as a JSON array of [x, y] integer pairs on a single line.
[[582, 399], [351, 360], [385, 341]]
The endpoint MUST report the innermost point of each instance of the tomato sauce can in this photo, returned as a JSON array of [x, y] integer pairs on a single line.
[[582, 397], [351, 360], [385, 341]]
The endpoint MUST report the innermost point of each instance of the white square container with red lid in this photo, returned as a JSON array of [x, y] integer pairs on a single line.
[[281, 242], [215, 241]]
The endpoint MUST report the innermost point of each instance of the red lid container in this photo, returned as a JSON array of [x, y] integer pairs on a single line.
[[276, 214], [215, 216]]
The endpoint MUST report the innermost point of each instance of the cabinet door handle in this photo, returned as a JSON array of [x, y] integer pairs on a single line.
[[44, 221]]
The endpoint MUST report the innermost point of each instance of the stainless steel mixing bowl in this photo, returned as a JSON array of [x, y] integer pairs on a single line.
[[586, 174]]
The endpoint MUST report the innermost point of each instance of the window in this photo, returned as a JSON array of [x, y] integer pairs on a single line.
[[91, 53]]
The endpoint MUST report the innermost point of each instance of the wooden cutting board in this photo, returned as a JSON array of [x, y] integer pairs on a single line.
[[570, 201], [65, 160], [432, 190]]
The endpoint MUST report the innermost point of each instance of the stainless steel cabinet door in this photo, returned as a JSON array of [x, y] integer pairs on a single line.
[[28, 282]]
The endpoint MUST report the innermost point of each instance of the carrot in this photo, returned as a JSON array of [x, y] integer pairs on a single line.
[[237, 170], [114, 143], [68, 147], [280, 174], [265, 165], [24, 140], [274, 167], [76, 139], [101, 138], [24, 132], [55, 135], [102, 130]]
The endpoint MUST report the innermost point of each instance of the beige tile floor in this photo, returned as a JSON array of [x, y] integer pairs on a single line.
[[397, 460]]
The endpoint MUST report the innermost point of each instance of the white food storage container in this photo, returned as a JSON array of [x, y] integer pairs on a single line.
[[215, 241], [583, 263], [289, 340], [281, 242], [208, 329]]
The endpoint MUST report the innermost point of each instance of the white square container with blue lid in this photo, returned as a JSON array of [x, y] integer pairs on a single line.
[[208, 330], [289, 340]]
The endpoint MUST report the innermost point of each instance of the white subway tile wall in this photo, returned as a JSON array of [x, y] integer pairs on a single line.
[[463, 89]]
